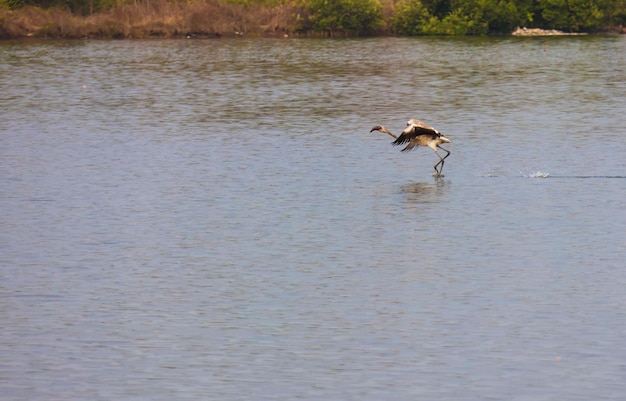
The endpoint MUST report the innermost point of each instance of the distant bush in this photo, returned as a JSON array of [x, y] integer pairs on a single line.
[[571, 15], [468, 17], [411, 18], [349, 16]]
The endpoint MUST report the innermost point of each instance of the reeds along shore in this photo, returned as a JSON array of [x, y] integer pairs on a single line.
[[156, 18]]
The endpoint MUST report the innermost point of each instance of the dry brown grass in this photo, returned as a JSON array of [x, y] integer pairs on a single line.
[[156, 18], [33, 21]]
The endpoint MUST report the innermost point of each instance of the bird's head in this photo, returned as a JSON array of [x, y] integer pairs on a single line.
[[376, 128]]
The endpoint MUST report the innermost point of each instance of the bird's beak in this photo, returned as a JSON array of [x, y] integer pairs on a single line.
[[375, 128]]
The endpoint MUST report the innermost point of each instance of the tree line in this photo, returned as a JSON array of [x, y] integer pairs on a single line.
[[318, 17]]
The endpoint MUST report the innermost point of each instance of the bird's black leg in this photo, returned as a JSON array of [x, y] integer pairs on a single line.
[[441, 160], [438, 172], [446, 150]]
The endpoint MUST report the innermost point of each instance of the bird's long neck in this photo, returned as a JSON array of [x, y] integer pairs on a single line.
[[386, 131]]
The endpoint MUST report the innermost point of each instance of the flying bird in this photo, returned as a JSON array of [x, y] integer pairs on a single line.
[[418, 133]]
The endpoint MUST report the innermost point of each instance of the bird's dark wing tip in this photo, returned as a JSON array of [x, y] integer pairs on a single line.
[[402, 139]]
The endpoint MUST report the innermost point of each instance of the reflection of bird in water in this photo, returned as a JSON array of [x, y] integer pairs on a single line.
[[421, 192], [418, 133]]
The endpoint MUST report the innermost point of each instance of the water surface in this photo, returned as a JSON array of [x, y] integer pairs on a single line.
[[212, 219]]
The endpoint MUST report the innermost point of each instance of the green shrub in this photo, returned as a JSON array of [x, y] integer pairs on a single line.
[[571, 15], [413, 18], [351, 16], [410, 18], [459, 22]]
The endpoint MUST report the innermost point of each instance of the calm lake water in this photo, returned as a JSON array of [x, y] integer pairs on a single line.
[[213, 220]]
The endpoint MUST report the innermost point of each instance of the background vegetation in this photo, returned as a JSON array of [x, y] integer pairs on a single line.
[[168, 18]]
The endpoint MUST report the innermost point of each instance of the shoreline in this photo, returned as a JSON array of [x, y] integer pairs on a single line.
[[197, 20], [528, 32]]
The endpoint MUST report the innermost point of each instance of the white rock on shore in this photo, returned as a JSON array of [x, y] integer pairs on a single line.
[[540, 32]]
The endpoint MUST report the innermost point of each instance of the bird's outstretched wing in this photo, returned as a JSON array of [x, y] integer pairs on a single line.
[[414, 129]]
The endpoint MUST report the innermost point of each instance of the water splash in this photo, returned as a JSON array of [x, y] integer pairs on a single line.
[[538, 174]]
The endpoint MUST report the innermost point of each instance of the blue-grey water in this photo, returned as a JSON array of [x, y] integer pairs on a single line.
[[213, 220]]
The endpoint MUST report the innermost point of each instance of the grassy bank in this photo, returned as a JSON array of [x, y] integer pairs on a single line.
[[156, 18], [215, 18]]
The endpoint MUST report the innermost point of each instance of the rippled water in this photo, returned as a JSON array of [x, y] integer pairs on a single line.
[[213, 220]]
